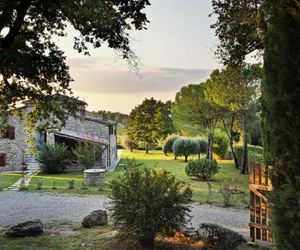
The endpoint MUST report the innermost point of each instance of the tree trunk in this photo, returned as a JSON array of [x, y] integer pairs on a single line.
[[244, 161], [236, 162], [210, 148], [281, 119], [147, 148], [186, 158]]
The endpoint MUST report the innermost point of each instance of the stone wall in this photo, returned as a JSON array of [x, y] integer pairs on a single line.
[[14, 149], [83, 124], [92, 126]]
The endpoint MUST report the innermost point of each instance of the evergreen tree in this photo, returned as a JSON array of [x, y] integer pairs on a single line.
[[277, 24]]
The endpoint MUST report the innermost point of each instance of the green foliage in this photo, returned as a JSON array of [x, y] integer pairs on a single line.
[[88, 154], [255, 153], [184, 147], [256, 133], [221, 144], [29, 53], [219, 237], [147, 202], [39, 184], [239, 25], [168, 146], [130, 144], [53, 158], [71, 184], [204, 169], [149, 122], [192, 112], [281, 119], [226, 192], [202, 146], [114, 116]]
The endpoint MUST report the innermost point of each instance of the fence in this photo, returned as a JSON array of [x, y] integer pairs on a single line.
[[260, 210]]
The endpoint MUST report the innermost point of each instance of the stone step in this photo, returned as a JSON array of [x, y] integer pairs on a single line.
[[33, 166]]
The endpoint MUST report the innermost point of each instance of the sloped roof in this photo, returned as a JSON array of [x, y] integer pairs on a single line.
[[82, 137]]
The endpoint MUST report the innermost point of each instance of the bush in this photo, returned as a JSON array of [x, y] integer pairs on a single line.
[[147, 202], [201, 147], [88, 154], [219, 237], [202, 169], [226, 193], [53, 158], [184, 147], [221, 144], [168, 147]]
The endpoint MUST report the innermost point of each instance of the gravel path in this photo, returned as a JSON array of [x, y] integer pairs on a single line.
[[17, 207]]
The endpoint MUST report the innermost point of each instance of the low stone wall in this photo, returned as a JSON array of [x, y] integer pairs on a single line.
[[94, 177]]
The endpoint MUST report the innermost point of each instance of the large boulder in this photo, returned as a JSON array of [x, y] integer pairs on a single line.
[[95, 218], [28, 228]]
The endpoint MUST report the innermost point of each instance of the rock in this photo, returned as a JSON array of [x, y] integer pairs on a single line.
[[27, 228], [252, 244], [95, 218], [190, 232]]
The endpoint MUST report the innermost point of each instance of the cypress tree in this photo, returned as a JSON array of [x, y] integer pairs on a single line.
[[281, 118]]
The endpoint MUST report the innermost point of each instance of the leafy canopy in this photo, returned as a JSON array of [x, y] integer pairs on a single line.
[[34, 68], [149, 122]]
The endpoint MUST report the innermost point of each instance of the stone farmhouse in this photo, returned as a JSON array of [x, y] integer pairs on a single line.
[[83, 127]]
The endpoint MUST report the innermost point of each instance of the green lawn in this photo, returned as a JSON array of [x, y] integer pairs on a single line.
[[6, 180], [159, 160], [227, 172]]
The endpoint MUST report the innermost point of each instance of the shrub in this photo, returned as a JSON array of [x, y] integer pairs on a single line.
[[184, 147], [202, 169], [168, 147], [226, 193], [201, 147], [147, 202], [53, 158], [219, 237], [88, 154], [130, 144], [221, 144]]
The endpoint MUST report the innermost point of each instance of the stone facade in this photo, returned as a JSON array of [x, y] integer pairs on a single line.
[[17, 149]]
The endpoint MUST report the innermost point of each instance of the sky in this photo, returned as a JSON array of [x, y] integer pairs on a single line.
[[177, 49]]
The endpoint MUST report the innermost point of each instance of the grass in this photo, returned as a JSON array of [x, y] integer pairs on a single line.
[[159, 160], [8, 180], [227, 172], [64, 235]]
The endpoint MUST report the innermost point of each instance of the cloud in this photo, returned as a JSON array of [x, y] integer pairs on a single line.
[[106, 75]]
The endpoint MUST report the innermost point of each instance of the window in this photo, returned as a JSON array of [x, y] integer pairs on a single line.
[[9, 133], [111, 130]]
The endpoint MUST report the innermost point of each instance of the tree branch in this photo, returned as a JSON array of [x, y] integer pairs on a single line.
[[14, 30]]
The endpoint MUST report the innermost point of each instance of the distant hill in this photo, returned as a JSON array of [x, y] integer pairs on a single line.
[[115, 116]]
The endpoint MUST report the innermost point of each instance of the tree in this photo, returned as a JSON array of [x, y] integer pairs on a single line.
[[280, 110], [147, 202], [33, 68], [184, 147], [192, 112], [149, 122], [168, 146], [236, 91], [131, 145]]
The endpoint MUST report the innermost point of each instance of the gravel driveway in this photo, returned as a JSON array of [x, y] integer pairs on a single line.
[[17, 207]]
